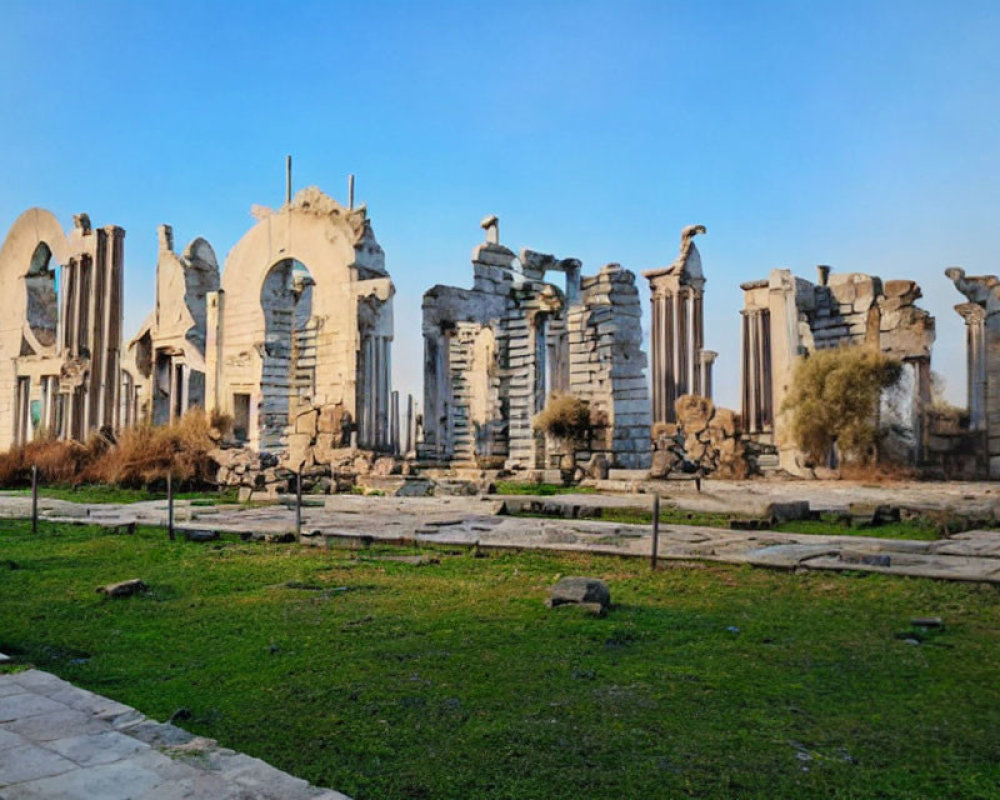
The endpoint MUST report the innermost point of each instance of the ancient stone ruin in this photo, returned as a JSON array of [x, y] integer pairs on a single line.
[[785, 317], [168, 354], [60, 330], [680, 364], [294, 340], [971, 446], [494, 354]]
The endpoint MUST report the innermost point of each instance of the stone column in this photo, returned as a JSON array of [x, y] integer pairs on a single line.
[[690, 351], [755, 371], [975, 317], [706, 358]]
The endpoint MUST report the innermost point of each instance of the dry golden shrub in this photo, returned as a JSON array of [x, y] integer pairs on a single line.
[[145, 453], [141, 455], [565, 416]]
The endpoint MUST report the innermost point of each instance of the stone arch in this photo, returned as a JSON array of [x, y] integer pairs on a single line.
[[346, 266]]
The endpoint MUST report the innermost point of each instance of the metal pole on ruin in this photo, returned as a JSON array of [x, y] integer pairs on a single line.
[[170, 504], [288, 180], [34, 499], [298, 504], [656, 531]]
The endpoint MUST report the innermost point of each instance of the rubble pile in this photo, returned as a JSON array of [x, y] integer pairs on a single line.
[[705, 440]]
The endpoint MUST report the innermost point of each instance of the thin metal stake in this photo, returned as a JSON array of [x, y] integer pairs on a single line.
[[34, 499], [656, 531], [170, 505], [298, 505]]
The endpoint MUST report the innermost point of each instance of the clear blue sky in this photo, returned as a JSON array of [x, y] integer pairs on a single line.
[[858, 134]]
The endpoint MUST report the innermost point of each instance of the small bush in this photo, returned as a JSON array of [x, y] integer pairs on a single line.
[[834, 398], [564, 417]]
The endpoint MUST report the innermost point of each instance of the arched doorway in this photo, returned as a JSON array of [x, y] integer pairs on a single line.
[[288, 369]]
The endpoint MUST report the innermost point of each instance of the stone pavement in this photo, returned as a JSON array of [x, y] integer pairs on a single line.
[[59, 742], [465, 521]]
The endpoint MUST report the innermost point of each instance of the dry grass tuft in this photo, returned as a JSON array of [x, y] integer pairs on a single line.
[[564, 417], [142, 455]]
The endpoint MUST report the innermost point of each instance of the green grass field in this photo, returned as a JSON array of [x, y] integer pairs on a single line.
[[105, 493], [452, 680]]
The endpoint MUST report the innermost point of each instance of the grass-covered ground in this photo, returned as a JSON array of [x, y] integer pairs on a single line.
[[109, 493], [388, 680]]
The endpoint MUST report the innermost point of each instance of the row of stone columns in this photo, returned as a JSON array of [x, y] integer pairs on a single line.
[[373, 392], [758, 411], [680, 365]]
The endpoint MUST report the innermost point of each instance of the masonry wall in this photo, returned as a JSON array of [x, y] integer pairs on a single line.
[[60, 328], [493, 355], [787, 317]]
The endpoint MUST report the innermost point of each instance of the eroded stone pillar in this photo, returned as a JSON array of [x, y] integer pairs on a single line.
[[975, 317]]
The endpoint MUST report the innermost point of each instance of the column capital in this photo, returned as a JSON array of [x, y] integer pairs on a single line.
[[972, 313]]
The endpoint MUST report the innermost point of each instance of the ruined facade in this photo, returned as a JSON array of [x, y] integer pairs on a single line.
[[294, 340], [495, 352], [785, 317], [60, 330], [299, 335], [168, 353], [680, 364], [980, 433]]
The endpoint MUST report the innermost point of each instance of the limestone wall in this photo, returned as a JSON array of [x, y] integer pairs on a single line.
[[60, 349], [493, 355], [303, 321], [787, 317]]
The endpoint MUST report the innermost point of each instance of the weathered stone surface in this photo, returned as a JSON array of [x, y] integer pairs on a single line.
[[118, 754], [787, 317], [493, 352], [35, 366], [580, 590]]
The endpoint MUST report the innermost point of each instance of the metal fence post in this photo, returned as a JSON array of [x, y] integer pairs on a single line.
[[656, 530], [298, 504], [170, 505], [34, 499]]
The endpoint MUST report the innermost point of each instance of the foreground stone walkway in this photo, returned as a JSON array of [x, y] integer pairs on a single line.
[[465, 521], [59, 742]]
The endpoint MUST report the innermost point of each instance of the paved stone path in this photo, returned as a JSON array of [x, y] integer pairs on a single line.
[[970, 556], [59, 742]]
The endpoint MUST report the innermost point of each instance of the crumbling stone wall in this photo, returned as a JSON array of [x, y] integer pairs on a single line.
[[302, 327], [494, 353], [168, 352], [60, 329], [785, 317]]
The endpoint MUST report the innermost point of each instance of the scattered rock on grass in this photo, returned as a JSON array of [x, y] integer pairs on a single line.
[[123, 589], [589, 592]]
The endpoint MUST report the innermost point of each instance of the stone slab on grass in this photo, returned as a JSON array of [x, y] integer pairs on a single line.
[[59, 741]]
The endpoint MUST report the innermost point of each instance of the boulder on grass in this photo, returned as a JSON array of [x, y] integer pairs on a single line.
[[123, 589], [590, 592]]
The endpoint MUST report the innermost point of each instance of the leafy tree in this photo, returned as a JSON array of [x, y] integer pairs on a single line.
[[835, 398]]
